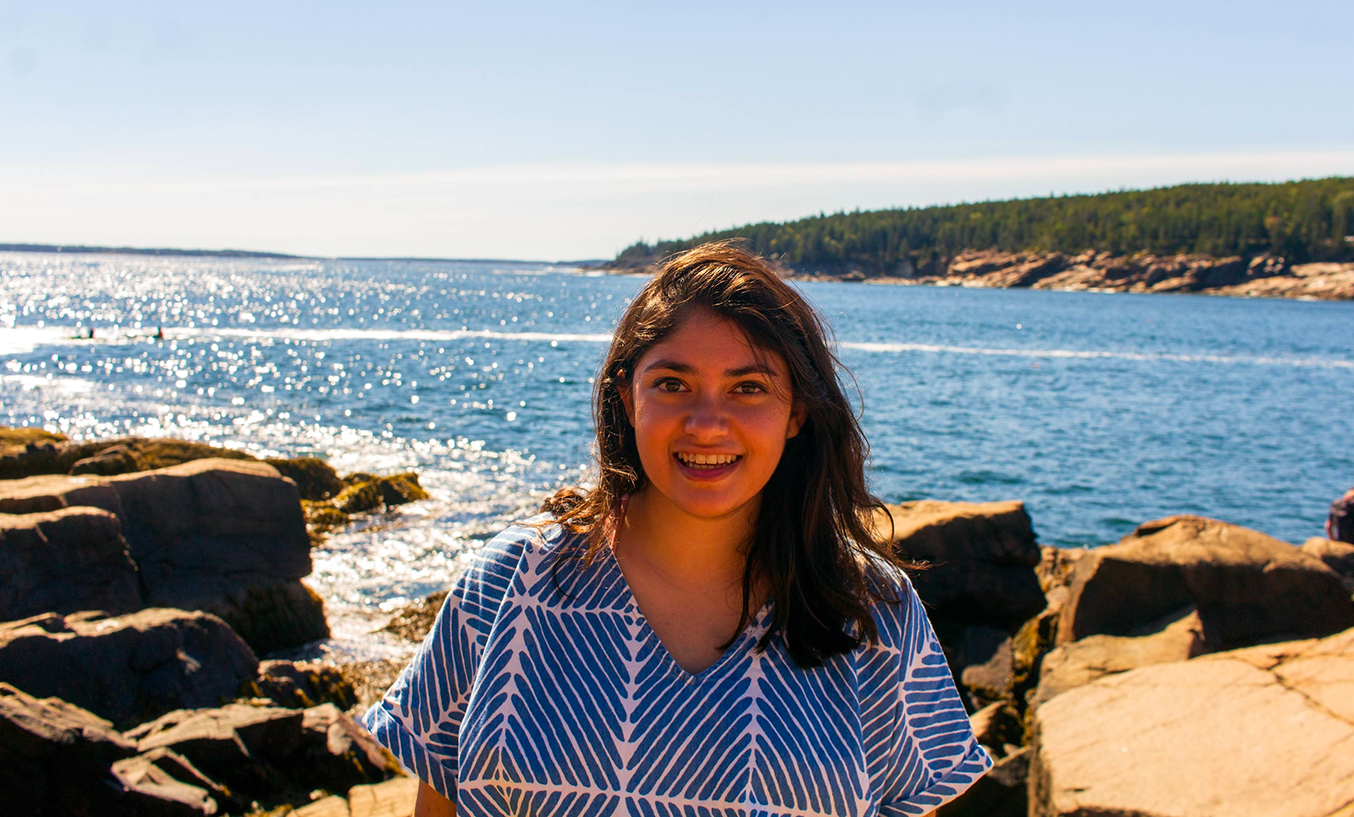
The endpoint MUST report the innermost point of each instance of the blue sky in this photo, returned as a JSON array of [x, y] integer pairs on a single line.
[[554, 131]]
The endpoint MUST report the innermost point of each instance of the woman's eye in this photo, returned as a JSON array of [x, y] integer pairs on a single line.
[[669, 385], [750, 388]]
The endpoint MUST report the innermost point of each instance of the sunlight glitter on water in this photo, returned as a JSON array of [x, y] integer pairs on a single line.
[[1100, 412]]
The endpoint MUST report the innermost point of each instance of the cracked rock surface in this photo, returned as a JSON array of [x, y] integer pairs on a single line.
[[1265, 731]]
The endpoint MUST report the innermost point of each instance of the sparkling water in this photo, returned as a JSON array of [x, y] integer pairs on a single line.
[[1100, 411]]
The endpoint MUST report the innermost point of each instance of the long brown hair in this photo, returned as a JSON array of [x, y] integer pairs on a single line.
[[814, 546]]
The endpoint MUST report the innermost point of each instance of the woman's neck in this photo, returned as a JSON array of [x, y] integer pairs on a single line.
[[689, 550]]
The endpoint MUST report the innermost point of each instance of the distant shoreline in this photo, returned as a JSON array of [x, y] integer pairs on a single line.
[[175, 251]]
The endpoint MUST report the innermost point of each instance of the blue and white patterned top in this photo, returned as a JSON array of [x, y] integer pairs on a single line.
[[528, 700]]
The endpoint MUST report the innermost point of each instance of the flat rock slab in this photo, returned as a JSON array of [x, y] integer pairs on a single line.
[[331, 806], [126, 668], [1260, 732], [393, 798], [1248, 587], [1081, 662], [65, 561]]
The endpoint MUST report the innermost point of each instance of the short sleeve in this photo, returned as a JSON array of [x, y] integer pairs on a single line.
[[419, 719], [920, 745]]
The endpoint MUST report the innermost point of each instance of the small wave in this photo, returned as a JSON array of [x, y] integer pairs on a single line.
[[23, 340], [59, 384], [323, 335], [1316, 362]]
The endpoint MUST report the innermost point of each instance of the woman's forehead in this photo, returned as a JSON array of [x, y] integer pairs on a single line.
[[705, 341]]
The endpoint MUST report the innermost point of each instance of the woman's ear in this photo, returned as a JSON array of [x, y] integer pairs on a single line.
[[799, 413]]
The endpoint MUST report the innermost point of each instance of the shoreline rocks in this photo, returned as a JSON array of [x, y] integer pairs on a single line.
[[65, 561], [1260, 276], [224, 536], [1266, 276], [130, 668], [57, 758], [1065, 656], [979, 583], [1258, 732], [138, 580], [1247, 586]]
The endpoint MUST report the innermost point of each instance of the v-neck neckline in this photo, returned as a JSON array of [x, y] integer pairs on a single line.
[[648, 633]]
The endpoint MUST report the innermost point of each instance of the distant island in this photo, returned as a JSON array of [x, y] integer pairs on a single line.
[[173, 251], [80, 248], [1287, 239]]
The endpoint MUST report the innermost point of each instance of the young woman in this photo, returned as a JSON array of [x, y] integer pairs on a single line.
[[716, 627]]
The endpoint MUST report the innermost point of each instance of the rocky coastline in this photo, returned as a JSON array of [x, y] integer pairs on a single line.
[[1264, 276], [1194, 667], [1260, 276], [140, 579]]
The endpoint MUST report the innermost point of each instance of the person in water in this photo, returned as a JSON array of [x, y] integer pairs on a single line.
[[716, 626]]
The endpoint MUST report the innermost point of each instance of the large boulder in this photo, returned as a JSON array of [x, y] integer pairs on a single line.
[[64, 561], [1081, 662], [128, 668], [224, 536], [1259, 732], [982, 559], [1247, 586], [235, 745]]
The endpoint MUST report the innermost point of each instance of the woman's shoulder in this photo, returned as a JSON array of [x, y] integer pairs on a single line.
[[896, 608]]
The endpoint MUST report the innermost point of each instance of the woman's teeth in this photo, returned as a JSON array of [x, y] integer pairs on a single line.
[[706, 460]]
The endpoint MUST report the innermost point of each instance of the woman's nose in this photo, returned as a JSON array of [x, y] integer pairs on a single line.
[[708, 416]]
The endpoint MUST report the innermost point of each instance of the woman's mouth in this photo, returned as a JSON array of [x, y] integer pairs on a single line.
[[707, 462]]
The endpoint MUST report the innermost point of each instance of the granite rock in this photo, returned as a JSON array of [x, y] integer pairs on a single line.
[[224, 536], [126, 668], [1247, 586], [65, 561], [982, 559], [1264, 731]]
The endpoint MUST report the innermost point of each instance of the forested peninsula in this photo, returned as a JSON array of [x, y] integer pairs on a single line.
[[1288, 239]]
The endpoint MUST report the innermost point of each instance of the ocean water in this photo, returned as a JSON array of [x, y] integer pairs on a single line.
[[1100, 411]]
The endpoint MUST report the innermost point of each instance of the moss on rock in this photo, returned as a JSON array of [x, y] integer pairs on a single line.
[[401, 489], [364, 496], [314, 477]]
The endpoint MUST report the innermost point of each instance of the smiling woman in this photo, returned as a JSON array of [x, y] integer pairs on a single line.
[[715, 626]]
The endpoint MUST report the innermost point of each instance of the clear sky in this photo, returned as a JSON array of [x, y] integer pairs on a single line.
[[567, 131]]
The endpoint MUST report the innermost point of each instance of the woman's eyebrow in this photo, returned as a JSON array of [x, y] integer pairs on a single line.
[[686, 368], [756, 368]]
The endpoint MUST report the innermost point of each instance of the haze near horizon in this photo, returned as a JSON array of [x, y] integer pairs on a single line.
[[534, 132]]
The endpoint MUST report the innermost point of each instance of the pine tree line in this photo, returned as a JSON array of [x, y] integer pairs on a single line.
[[1302, 221]]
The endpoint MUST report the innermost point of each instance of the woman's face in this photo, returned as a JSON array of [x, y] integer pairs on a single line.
[[711, 415]]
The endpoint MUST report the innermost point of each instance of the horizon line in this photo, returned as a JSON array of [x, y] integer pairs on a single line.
[[244, 254]]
